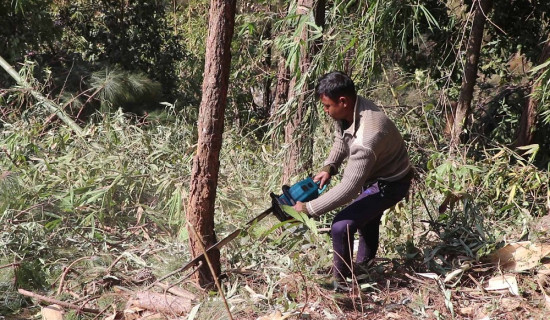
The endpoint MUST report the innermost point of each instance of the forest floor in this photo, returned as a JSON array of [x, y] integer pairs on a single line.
[[107, 286]]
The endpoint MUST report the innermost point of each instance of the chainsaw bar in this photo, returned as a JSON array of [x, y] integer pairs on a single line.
[[227, 239]]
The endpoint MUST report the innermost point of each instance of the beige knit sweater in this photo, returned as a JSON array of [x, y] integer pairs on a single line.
[[375, 149]]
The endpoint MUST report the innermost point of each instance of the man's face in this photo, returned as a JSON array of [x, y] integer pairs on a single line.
[[336, 109]]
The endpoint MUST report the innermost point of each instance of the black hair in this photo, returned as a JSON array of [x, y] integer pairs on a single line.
[[334, 85]]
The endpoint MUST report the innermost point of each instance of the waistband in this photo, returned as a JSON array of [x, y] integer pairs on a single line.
[[406, 178]]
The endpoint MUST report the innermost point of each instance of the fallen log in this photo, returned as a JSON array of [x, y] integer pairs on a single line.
[[163, 303]]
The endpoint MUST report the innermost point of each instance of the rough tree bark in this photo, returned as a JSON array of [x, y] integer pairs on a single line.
[[299, 155], [481, 10], [204, 175], [280, 96], [526, 130], [281, 91]]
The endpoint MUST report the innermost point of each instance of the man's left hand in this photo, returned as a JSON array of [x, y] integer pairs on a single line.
[[300, 207]]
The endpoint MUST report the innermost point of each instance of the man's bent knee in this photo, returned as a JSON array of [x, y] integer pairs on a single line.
[[342, 227]]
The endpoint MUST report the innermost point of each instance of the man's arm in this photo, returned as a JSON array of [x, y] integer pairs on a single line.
[[338, 152], [357, 171]]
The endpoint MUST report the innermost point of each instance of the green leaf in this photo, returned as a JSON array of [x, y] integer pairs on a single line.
[[540, 66], [302, 217]]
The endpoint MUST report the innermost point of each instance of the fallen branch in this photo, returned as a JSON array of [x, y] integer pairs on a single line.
[[50, 105], [15, 264], [66, 271], [60, 303]]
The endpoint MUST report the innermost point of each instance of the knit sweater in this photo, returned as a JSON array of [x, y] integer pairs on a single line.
[[376, 151]]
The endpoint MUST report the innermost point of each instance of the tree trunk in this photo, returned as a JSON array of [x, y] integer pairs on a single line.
[[280, 96], [281, 90], [204, 175], [526, 130], [481, 10], [299, 156]]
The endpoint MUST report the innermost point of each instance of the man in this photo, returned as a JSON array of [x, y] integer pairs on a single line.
[[377, 175]]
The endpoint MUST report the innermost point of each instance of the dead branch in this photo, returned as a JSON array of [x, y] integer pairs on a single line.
[[15, 264], [66, 271], [60, 303]]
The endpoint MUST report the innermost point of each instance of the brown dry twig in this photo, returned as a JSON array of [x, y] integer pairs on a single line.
[[15, 264], [66, 271], [61, 303], [216, 280]]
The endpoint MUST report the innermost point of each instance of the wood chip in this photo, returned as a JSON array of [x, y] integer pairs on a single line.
[[52, 312], [504, 282], [159, 302]]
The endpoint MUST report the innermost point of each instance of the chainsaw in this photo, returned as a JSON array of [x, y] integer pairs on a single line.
[[305, 190]]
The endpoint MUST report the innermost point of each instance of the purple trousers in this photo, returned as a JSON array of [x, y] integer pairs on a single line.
[[363, 215]]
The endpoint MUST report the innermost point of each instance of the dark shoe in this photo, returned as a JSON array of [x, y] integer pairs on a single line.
[[361, 268], [341, 286]]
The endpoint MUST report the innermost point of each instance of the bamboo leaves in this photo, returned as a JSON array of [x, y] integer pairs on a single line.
[[74, 181]]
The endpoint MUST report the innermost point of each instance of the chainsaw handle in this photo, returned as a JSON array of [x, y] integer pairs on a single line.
[[323, 188]]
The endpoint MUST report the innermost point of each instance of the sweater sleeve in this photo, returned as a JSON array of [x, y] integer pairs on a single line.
[[359, 166], [338, 152]]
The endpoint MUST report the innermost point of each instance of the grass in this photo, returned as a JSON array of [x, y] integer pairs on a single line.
[[81, 217]]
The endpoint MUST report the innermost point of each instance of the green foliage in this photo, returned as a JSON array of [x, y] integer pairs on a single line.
[[122, 89], [29, 275], [63, 171], [117, 196], [496, 199], [414, 34], [452, 176], [10, 300], [26, 28], [9, 187], [136, 36], [542, 94], [520, 25]]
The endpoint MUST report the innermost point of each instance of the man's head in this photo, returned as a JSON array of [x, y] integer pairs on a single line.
[[335, 85], [337, 94]]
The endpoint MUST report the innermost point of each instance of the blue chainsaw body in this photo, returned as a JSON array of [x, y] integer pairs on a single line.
[[303, 191]]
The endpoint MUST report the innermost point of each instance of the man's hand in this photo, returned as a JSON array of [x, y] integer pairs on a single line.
[[323, 177], [299, 206]]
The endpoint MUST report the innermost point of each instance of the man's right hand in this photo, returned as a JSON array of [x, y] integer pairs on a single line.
[[323, 177]]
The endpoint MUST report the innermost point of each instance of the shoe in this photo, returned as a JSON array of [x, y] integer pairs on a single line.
[[361, 268], [341, 286]]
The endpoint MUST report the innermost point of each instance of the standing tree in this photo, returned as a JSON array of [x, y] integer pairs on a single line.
[[481, 9], [282, 81], [204, 175], [527, 124], [299, 155]]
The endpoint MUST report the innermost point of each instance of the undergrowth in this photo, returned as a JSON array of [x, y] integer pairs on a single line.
[[111, 204]]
